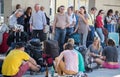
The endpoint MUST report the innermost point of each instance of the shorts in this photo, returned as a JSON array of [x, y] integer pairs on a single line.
[[22, 70], [109, 66]]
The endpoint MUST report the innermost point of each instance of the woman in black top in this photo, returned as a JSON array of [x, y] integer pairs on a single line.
[[110, 56], [27, 18]]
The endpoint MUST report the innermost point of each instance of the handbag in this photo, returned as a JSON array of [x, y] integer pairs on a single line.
[[105, 31]]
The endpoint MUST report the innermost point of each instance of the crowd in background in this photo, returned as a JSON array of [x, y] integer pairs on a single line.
[[91, 29]]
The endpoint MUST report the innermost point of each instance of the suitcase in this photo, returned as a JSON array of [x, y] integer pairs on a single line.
[[51, 48], [4, 47], [114, 36]]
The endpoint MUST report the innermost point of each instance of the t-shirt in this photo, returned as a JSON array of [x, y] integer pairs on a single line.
[[71, 18], [111, 54], [81, 66], [83, 27], [71, 60], [61, 21], [13, 61], [110, 18], [91, 19], [93, 50], [99, 21]]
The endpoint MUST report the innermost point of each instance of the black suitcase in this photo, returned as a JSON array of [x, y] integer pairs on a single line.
[[51, 48]]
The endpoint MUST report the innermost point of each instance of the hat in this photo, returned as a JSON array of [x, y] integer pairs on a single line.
[[19, 45]]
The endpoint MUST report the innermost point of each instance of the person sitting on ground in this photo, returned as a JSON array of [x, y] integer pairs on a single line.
[[17, 62], [110, 56], [81, 66], [70, 64], [95, 49]]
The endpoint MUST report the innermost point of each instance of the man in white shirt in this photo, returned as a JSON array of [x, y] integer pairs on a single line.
[[38, 23], [72, 20]]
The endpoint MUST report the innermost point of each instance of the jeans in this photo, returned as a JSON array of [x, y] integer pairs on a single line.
[[111, 27], [101, 35], [69, 31], [60, 37], [91, 33]]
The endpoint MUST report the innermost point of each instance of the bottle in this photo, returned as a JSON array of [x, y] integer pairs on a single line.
[[52, 71], [46, 71]]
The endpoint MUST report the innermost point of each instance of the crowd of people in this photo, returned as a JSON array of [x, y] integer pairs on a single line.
[[24, 26]]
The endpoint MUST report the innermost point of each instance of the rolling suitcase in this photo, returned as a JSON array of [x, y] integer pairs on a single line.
[[114, 36], [51, 48], [4, 47]]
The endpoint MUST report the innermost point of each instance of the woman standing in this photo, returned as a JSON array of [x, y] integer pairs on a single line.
[[99, 25], [59, 26], [111, 21], [83, 25], [27, 18]]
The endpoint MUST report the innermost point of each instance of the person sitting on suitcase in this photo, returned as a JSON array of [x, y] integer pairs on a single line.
[[17, 35], [110, 56], [17, 62], [12, 21], [70, 64]]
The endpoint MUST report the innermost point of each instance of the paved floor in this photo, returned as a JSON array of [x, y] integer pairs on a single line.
[[101, 72]]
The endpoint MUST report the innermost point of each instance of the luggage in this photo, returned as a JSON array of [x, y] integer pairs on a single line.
[[51, 48], [4, 47], [76, 37], [114, 36], [17, 37], [33, 48]]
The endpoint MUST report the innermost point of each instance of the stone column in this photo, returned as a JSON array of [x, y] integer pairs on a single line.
[[7, 9]]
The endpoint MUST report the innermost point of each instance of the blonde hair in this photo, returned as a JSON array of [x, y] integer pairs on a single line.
[[71, 41], [97, 39]]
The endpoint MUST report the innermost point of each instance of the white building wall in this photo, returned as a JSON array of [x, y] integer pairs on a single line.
[[108, 4]]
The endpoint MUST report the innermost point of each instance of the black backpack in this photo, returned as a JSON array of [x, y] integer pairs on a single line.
[[17, 37]]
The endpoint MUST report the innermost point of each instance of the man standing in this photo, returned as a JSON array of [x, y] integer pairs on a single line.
[[38, 23], [72, 20], [91, 22]]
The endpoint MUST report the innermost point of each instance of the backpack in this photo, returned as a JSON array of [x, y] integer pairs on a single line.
[[105, 22], [76, 37], [17, 37], [47, 19]]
